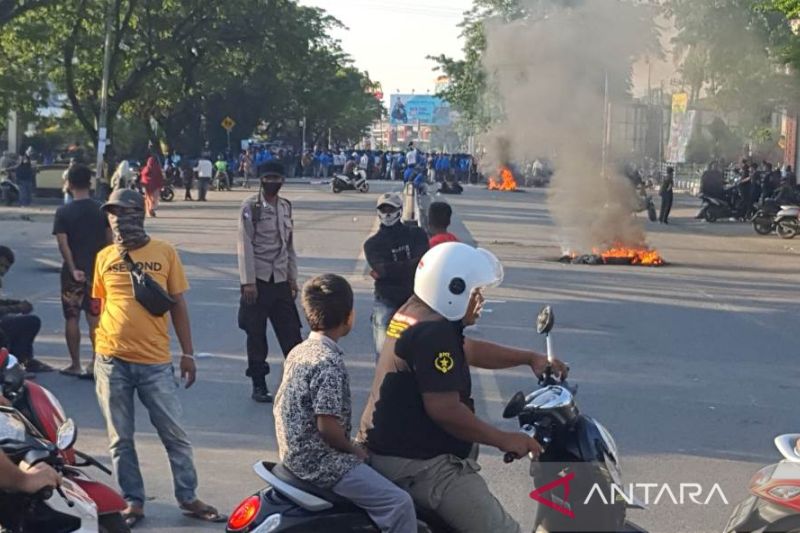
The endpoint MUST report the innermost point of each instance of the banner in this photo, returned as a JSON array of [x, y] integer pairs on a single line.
[[418, 109], [681, 127]]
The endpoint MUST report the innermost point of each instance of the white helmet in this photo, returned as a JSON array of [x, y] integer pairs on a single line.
[[449, 272]]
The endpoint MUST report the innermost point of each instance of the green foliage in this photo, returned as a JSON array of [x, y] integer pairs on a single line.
[[731, 51], [187, 64]]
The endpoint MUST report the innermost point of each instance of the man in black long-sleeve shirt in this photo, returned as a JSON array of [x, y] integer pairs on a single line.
[[393, 254]]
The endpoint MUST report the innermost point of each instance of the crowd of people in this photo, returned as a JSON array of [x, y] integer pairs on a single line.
[[422, 369]]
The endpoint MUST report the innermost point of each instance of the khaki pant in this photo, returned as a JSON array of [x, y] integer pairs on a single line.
[[451, 487]]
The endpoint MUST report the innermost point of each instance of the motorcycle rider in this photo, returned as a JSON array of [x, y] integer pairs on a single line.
[[419, 423], [30, 481]]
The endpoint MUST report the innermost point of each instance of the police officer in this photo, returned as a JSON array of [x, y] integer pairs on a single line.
[[268, 274]]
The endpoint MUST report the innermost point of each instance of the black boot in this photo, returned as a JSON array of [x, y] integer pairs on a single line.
[[260, 392]]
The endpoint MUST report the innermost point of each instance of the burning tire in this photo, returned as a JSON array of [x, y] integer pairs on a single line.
[[787, 228]]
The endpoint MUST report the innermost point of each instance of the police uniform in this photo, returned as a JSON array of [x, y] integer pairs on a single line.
[[267, 259]]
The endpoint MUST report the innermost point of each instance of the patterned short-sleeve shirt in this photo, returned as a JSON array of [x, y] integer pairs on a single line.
[[315, 382]]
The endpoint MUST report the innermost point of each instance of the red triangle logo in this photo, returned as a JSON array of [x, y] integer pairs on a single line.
[[537, 495]]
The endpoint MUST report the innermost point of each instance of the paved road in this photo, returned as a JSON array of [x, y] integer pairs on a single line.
[[691, 366]]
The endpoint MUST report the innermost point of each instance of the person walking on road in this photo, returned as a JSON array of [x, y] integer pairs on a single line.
[[187, 175], [268, 275], [666, 193], [26, 178], [133, 356], [82, 231], [392, 254], [152, 181], [205, 172]]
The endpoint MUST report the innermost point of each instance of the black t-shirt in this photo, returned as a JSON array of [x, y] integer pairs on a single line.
[[85, 226], [394, 253], [400, 426]]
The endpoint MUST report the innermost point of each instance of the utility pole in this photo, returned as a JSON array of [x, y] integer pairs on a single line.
[[304, 134], [102, 123]]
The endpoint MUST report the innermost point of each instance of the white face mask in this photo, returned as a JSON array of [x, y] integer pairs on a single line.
[[389, 219]]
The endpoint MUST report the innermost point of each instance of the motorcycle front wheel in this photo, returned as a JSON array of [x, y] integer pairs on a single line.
[[710, 215], [364, 188], [787, 228], [167, 194], [113, 523]]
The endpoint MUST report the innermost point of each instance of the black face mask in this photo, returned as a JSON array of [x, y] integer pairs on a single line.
[[271, 188]]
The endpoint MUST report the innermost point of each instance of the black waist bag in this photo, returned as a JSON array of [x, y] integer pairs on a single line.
[[146, 290]]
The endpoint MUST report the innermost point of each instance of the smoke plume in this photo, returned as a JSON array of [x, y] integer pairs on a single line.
[[550, 71]]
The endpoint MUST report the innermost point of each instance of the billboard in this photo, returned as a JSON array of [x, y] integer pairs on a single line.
[[681, 128], [418, 109]]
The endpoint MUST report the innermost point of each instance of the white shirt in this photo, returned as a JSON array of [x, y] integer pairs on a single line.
[[411, 158], [364, 162], [204, 168]]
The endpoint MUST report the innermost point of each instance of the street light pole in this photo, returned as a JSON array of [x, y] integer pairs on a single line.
[[102, 123], [304, 134]]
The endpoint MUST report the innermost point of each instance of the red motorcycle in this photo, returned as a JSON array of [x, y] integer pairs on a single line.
[[43, 410]]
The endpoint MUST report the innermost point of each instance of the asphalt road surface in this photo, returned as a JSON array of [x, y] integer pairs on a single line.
[[692, 366]]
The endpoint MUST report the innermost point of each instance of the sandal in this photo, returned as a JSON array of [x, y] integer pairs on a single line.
[[204, 512], [132, 518]]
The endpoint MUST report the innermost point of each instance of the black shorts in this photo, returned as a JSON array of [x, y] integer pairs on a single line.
[[76, 297]]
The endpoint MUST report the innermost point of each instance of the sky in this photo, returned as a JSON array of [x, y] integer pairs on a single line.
[[391, 39]]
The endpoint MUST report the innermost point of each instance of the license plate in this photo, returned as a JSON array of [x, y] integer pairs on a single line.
[[741, 514]]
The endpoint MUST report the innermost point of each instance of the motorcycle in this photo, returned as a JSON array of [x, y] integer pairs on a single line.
[[550, 414], [221, 181], [44, 412], [343, 182], [714, 209], [579, 455], [774, 503], [9, 191], [787, 222], [69, 507], [646, 203]]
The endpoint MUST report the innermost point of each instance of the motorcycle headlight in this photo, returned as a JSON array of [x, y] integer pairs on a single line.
[[785, 492]]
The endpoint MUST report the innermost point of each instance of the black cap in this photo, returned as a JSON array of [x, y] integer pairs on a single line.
[[125, 198], [271, 168]]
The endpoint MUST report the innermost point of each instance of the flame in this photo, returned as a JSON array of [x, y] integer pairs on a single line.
[[508, 182], [635, 255]]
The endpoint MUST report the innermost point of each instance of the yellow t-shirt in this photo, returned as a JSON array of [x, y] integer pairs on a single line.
[[127, 330]]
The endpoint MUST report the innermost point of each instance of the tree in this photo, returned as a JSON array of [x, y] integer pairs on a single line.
[[729, 51], [11, 9]]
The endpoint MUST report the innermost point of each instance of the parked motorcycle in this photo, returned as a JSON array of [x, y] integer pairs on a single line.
[[44, 412], [167, 192], [787, 222], [774, 503], [550, 415], [714, 209], [69, 507], [646, 203], [342, 182], [9, 191]]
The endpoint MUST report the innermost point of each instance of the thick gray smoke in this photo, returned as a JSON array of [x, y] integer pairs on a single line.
[[549, 71]]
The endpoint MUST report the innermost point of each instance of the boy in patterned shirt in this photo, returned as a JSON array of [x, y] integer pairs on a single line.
[[313, 411]]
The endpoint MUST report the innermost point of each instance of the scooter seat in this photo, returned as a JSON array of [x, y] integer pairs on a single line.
[[283, 473]]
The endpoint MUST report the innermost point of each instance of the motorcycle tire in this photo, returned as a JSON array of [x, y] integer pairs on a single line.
[[763, 225], [113, 523], [787, 228], [167, 194], [651, 212], [335, 189], [364, 188], [710, 216]]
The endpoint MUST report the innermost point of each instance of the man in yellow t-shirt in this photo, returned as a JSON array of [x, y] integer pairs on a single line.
[[133, 356]]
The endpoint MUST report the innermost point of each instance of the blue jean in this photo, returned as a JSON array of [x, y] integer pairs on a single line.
[[116, 381], [382, 313], [25, 192]]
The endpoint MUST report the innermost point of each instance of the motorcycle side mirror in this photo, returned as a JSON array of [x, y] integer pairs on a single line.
[[67, 435], [515, 405], [545, 321], [789, 446]]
